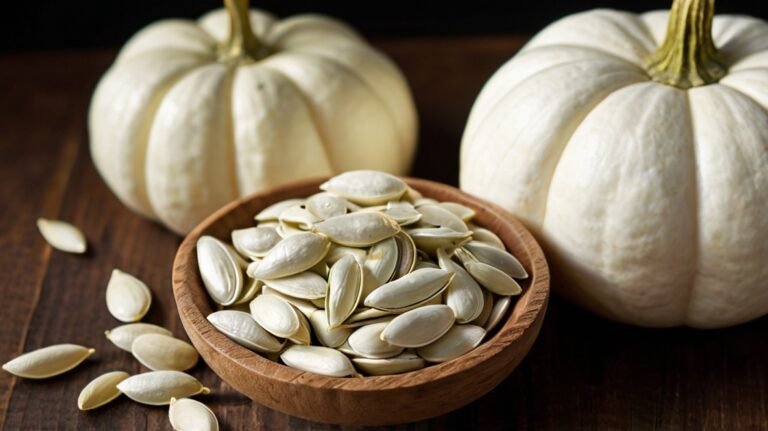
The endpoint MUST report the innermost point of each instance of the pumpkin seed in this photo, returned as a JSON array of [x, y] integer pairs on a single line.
[[463, 295], [495, 280], [402, 212], [430, 239], [156, 388], [162, 352], [319, 360], [62, 235], [399, 364], [367, 342], [339, 251], [485, 236], [321, 269], [500, 259], [419, 327], [304, 335], [128, 298], [286, 230], [255, 242], [244, 330], [292, 255], [250, 292], [485, 314], [325, 205], [359, 229], [305, 307], [461, 211], [48, 361], [298, 216], [275, 315], [500, 308], [436, 215], [123, 336], [409, 291], [380, 264], [329, 337], [347, 350], [459, 340], [304, 285], [366, 187], [406, 255], [345, 285], [220, 270], [272, 212], [186, 414], [101, 390]]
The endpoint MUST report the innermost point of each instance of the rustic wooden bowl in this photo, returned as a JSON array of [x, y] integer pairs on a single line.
[[421, 394]]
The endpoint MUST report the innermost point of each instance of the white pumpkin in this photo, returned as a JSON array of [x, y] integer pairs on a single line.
[[195, 114], [640, 160]]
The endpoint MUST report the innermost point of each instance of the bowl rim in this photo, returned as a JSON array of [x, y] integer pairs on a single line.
[[506, 335]]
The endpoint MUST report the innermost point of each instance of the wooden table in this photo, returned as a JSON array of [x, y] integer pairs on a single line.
[[583, 372]]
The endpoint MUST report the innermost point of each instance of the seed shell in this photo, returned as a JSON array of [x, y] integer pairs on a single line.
[[162, 352], [499, 259], [463, 294], [358, 229], [320, 360], [255, 242], [366, 341], [345, 286], [244, 330], [329, 337], [123, 335], [272, 212], [292, 255], [419, 327], [402, 363], [495, 280], [459, 340], [366, 187], [186, 415], [304, 285], [275, 315], [409, 291], [62, 235], [156, 388], [48, 361], [101, 390], [128, 298], [220, 270]]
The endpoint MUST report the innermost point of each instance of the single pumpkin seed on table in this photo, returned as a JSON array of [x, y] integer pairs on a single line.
[[101, 390], [220, 270], [366, 187], [293, 255], [419, 327], [186, 414], [48, 361], [320, 360], [243, 329], [156, 388], [275, 315], [162, 352], [358, 229], [62, 236], [123, 335], [128, 298], [345, 286]]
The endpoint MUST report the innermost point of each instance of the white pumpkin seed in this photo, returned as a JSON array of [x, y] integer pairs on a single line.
[[293, 255], [463, 295], [255, 242], [366, 187], [101, 390], [319, 360], [367, 342], [62, 235], [402, 363], [273, 211], [123, 335], [430, 239], [243, 329], [286, 230], [275, 315], [406, 255], [304, 285], [304, 335], [436, 215], [380, 265], [499, 259], [162, 352], [187, 415], [461, 211], [495, 280], [498, 312], [485, 314], [339, 251], [305, 307], [345, 286], [359, 229], [409, 291], [329, 337], [128, 298], [220, 270], [485, 236], [424, 201], [156, 388], [419, 327], [253, 288], [459, 340], [298, 216], [402, 212], [325, 205], [48, 361]]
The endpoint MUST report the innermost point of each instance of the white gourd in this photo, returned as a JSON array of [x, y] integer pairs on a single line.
[[643, 170], [194, 114]]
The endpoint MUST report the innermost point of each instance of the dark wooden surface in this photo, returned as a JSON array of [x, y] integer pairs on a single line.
[[583, 372]]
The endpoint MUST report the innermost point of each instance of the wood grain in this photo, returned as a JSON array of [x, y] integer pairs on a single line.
[[583, 372]]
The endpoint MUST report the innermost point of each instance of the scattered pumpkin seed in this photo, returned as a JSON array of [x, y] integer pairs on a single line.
[[123, 335], [162, 352], [128, 298], [187, 415], [62, 235], [101, 390], [156, 388], [48, 361]]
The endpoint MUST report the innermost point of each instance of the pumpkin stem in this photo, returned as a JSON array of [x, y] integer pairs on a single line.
[[242, 45], [688, 57]]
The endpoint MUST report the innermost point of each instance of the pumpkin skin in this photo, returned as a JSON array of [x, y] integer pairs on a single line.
[[177, 130], [651, 201]]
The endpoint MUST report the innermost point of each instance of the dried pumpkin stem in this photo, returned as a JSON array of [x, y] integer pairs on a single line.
[[688, 57], [242, 45]]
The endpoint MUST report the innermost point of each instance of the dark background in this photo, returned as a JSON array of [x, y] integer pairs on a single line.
[[58, 24]]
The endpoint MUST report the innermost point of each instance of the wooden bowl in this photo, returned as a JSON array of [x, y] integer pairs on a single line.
[[408, 397]]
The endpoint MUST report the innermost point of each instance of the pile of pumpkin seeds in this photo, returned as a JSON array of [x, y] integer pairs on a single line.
[[128, 300], [365, 277]]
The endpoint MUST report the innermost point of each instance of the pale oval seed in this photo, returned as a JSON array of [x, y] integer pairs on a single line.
[[48, 361], [485, 236], [243, 329], [430, 239], [273, 211], [303, 335], [255, 242], [499, 310], [220, 270], [366, 187], [329, 337], [123, 335], [298, 216], [275, 315], [495, 280], [325, 205], [463, 212], [292, 255], [345, 286], [367, 342], [319, 360], [482, 319], [459, 340], [156, 388], [101, 390], [463, 295], [500, 259], [304, 285], [162, 352], [419, 327], [437, 215], [128, 298], [402, 212], [190, 415], [305, 307], [409, 291], [338, 251], [62, 235], [402, 363], [359, 229]]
